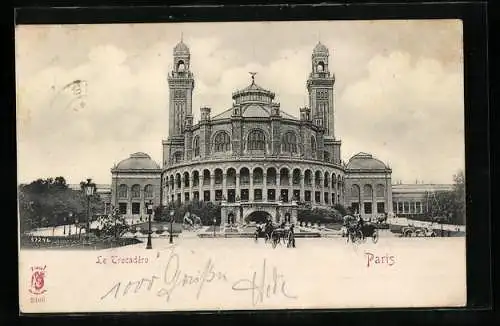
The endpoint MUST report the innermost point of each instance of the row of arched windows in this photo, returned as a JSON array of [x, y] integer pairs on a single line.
[[368, 191], [135, 191], [256, 141], [258, 176]]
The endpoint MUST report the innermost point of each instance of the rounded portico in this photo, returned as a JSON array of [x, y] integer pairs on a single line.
[[135, 181], [368, 186]]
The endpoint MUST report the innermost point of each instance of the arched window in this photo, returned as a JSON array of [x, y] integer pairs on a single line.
[[327, 156], [148, 191], [289, 142], [177, 157], [355, 191], [123, 191], [181, 66], [321, 66], [256, 140], [196, 146], [380, 191], [258, 176], [313, 146], [367, 191], [222, 142], [136, 191]]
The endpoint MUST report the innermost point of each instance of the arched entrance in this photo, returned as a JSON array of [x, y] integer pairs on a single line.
[[258, 217]]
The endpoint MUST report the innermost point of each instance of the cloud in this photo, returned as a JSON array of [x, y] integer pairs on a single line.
[[398, 90], [411, 106]]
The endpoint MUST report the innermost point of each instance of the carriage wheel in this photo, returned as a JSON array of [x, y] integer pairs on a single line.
[[359, 235], [375, 236]]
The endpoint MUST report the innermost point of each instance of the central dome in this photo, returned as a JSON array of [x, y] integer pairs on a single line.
[[138, 161], [253, 93]]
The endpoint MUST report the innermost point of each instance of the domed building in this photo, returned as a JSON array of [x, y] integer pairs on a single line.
[[134, 182], [253, 158], [368, 180]]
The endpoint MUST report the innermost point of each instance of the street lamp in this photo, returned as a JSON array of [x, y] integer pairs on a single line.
[[70, 221], [150, 211], [171, 226], [214, 226], [89, 188]]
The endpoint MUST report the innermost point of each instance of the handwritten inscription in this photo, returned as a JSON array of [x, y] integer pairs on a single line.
[[173, 277], [372, 259], [262, 286]]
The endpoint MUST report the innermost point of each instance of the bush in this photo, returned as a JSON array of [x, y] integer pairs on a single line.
[[206, 211], [319, 215]]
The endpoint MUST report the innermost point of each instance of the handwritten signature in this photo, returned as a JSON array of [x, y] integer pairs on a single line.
[[172, 278], [262, 287]]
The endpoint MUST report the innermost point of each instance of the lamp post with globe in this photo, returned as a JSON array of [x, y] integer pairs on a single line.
[[89, 188], [70, 222], [150, 211], [172, 213]]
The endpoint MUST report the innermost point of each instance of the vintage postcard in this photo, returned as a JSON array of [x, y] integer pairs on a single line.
[[240, 166]]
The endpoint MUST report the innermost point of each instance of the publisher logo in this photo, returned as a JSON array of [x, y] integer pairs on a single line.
[[38, 274]]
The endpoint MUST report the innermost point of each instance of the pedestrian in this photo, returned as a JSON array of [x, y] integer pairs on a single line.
[[292, 236]]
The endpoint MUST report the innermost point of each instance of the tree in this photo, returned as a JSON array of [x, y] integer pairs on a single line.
[[341, 209], [459, 196], [449, 206], [48, 202], [319, 215]]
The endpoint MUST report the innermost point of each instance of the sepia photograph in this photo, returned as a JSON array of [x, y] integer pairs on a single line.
[[241, 166]]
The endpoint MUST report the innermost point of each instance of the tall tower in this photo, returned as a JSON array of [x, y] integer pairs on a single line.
[[320, 88], [181, 85]]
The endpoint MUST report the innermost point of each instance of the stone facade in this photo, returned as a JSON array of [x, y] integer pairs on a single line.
[[253, 155], [368, 186], [135, 182], [254, 158]]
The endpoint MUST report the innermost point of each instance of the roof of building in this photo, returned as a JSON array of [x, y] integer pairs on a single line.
[[137, 161], [181, 48], [420, 187], [320, 48], [253, 111], [365, 161]]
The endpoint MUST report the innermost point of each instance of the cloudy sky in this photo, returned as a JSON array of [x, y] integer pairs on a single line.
[[398, 91]]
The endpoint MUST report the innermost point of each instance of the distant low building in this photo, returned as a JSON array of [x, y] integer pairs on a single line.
[[410, 200]]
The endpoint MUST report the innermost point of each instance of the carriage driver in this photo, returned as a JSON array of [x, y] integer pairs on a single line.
[[361, 222]]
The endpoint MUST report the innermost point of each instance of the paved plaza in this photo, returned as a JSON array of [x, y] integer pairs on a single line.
[[318, 273]]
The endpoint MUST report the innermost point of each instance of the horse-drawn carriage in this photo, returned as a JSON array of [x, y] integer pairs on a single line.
[[276, 234], [359, 232]]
